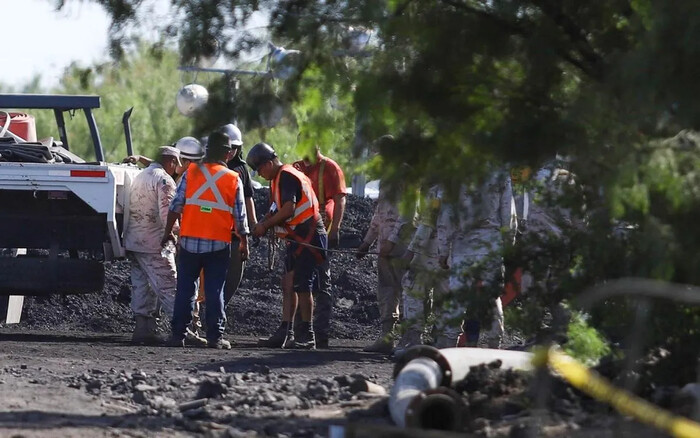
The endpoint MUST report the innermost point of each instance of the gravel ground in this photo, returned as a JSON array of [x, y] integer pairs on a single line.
[[68, 370], [97, 385]]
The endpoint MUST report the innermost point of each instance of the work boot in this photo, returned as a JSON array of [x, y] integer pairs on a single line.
[[220, 344], [193, 339], [283, 337], [385, 342], [145, 331], [305, 338]]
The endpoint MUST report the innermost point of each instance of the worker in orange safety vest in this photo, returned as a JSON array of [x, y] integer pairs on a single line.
[[210, 206], [295, 217]]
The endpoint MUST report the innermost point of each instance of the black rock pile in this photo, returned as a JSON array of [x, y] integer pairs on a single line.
[[255, 310]]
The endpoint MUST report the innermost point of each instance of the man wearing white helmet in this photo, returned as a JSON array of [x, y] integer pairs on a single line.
[[191, 151], [238, 165], [236, 264]]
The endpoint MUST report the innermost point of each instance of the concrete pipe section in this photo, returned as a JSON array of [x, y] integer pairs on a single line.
[[421, 397], [11, 305]]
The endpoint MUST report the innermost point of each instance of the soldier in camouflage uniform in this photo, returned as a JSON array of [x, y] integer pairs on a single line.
[[153, 275], [424, 277], [471, 242], [392, 230], [539, 219]]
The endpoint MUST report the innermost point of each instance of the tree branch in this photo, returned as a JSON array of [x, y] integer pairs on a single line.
[[574, 33], [588, 62], [512, 27]]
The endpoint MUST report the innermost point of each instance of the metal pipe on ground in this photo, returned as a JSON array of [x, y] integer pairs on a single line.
[[420, 396]]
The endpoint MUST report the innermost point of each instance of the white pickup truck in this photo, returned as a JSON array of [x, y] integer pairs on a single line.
[[61, 217]]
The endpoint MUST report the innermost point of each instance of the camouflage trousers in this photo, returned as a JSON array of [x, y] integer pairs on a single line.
[[153, 281], [474, 269], [423, 280], [390, 271]]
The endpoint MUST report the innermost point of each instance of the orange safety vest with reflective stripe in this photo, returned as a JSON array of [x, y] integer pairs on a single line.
[[210, 197], [306, 207]]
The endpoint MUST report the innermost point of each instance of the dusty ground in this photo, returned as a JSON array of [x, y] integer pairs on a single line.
[[88, 385], [97, 385]]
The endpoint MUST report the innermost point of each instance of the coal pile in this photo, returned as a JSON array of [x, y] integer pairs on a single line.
[[256, 308]]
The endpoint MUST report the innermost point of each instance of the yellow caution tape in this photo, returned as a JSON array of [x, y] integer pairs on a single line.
[[626, 403]]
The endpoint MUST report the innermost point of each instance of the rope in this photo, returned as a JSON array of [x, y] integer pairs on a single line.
[[346, 251]]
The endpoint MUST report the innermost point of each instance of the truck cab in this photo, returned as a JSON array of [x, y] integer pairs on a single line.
[[61, 216]]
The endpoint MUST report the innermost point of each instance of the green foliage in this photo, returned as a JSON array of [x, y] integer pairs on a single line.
[[584, 342], [465, 84], [524, 317]]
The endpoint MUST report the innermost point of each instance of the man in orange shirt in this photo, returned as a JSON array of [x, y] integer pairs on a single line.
[[328, 182]]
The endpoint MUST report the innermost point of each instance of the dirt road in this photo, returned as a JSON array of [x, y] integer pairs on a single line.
[[99, 385]]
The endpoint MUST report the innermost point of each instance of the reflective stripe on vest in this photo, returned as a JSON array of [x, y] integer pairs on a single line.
[[210, 184], [210, 197], [306, 208]]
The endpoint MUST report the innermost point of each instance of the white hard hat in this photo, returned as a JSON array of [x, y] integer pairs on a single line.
[[233, 133], [190, 148]]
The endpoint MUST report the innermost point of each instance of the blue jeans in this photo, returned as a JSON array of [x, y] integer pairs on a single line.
[[189, 264]]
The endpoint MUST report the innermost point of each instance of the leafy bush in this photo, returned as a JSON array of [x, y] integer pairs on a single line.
[[584, 342]]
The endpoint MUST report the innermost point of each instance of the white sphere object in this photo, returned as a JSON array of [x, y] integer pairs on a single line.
[[284, 63], [191, 98]]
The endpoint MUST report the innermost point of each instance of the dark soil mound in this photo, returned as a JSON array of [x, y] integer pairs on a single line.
[[256, 309]]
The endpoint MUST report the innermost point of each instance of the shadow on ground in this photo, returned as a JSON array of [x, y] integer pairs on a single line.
[[51, 420], [292, 359], [68, 338]]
